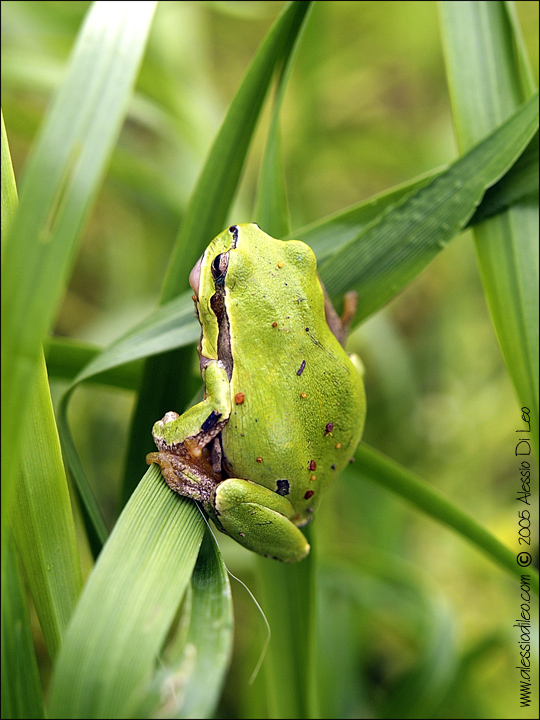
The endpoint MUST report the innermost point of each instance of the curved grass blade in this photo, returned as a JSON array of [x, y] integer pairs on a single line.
[[196, 662], [60, 183], [66, 358], [397, 245], [9, 189], [109, 655], [173, 325], [41, 517], [272, 210], [209, 205], [380, 469], [43, 520], [170, 326], [486, 87], [518, 185]]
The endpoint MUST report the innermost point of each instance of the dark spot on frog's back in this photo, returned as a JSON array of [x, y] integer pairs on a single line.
[[282, 487], [211, 421]]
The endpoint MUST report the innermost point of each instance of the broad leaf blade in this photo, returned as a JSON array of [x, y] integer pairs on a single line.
[[195, 667], [60, 183], [397, 245], [109, 655], [209, 205], [489, 76], [42, 519], [21, 689]]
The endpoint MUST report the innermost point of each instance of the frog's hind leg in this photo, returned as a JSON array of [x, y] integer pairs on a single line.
[[340, 325], [259, 519]]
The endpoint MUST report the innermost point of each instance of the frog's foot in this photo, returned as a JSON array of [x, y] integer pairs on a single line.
[[185, 477], [258, 519]]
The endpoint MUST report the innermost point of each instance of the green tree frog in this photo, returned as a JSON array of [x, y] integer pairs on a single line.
[[284, 404]]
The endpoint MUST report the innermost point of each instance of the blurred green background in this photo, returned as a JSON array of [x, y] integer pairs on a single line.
[[403, 601]]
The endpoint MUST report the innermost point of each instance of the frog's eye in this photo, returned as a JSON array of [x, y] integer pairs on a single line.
[[219, 268]]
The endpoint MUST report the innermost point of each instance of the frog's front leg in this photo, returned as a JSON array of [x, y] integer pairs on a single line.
[[259, 519], [195, 428]]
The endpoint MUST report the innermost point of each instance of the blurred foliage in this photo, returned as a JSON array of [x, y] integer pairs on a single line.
[[367, 108]]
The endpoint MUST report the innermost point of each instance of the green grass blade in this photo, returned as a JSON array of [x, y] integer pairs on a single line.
[[288, 596], [108, 659], [195, 668], [60, 183], [41, 517], [43, 521], [328, 234], [397, 245], [66, 358], [489, 77], [173, 325], [170, 326], [21, 688], [378, 468], [209, 205], [95, 523], [272, 209], [9, 189], [518, 186]]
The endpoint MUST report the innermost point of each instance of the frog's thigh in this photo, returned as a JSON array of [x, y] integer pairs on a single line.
[[259, 519]]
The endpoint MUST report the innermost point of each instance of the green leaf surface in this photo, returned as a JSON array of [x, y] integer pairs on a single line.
[[391, 250], [111, 647], [9, 188], [61, 180], [43, 521], [489, 76], [518, 186], [66, 358], [21, 688], [207, 210], [194, 668], [170, 326]]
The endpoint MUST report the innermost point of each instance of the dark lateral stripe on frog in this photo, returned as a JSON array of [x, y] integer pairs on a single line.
[[234, 232], [211, 421], [217, 303]]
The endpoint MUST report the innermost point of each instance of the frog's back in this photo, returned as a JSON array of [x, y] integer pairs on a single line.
[[298, 400]]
